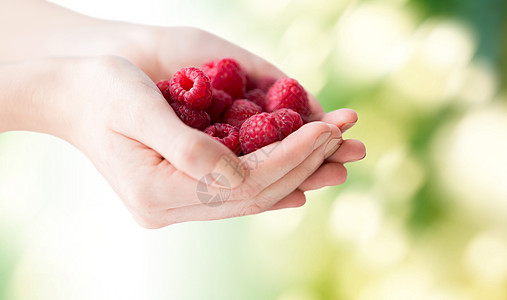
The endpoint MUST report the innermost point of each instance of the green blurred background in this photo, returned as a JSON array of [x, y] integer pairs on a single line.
[[424, 216]]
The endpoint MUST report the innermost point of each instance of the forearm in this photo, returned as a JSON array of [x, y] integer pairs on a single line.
[[31, 96], [35, 28]]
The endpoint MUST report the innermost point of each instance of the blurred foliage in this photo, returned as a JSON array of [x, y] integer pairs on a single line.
[[486, 18], [8, 259]]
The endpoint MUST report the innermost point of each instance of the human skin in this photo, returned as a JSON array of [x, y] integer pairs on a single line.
[[91, 83]]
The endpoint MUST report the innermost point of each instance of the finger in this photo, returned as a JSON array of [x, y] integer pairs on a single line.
[[316, 110], [202, 212], [295, 199], [182, 190], [237, 206], [329, 174], [350, 150], [270, 163], [344, 118], [294, 178], [285, 188], [197, 154], [189, 191]]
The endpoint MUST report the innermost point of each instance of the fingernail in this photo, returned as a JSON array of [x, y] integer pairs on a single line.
[[331, 147], [321, 139], [347, 126], [354, 160], [229, 171]]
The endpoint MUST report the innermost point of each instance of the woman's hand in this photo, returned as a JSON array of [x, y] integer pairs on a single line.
[[275, 169], [109, 108], [193, 47]]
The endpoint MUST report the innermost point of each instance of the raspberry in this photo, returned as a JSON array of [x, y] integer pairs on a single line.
[[220, 101], [198, 119], [191, 87], [226, 74], [257, 96], [163, 86], [288, 121], [226, 134], [239, 111], [251, 83], [258, 131], [264, 83], [288, 93]]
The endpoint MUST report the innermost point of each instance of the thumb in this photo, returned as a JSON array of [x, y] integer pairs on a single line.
[[197, 154], [190, 150]]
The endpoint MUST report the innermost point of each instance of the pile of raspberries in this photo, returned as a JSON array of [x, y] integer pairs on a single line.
[[244, 114]]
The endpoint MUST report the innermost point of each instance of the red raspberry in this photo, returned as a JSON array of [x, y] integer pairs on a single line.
[[257, 96], [226, 134], [239, 111], [264, 83], [288, 93], [163, 86], [191, 87], [219, 103], [226, 74], [198, 119], [251, 83], [258, 131], [288, 121]]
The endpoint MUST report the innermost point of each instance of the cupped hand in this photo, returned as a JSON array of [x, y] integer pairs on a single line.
[[166, 172], [192, 47]]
